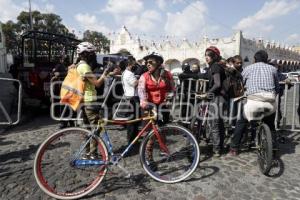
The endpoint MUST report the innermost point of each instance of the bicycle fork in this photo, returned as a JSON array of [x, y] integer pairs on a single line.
[[114, 158], [161, 143]]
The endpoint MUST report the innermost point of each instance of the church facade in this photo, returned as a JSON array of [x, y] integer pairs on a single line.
[[177, 54]]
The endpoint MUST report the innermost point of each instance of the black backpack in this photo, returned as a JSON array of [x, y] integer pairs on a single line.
[[232, 85]]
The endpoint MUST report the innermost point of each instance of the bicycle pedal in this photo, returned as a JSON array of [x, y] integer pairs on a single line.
[[128, 175]]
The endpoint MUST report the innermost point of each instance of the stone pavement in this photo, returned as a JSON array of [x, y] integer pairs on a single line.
[[215, 178]]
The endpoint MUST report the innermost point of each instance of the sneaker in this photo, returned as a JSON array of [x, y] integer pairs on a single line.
[[233, 152], [62, 126], [251, 145], [152, 165], [94, 156], [85, 156], [216, 154], [163, 154]]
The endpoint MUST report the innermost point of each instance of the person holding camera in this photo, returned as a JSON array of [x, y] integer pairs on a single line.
[[86, 52], [130, 82]]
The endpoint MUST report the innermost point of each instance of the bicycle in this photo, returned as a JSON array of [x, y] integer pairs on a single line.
[[169, 154], [199, 125], [263, 141]]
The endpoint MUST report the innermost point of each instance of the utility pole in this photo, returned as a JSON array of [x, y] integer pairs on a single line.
[[30, 15]]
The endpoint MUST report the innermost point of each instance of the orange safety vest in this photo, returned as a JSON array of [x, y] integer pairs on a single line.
[[72, 89]]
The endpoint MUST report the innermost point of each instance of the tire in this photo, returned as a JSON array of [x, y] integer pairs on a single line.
[[179, 163], [195, 128], [265, 149], [199, 131], [55, 170]]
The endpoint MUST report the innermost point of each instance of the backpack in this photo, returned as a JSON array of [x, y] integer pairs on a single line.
[[232, 85], [72, 89]]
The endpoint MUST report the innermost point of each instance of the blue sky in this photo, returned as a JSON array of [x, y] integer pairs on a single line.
[[276, 20]]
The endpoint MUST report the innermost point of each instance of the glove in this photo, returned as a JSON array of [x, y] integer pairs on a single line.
[[207, 96], [288, 81], [72, 66], [170, 96]]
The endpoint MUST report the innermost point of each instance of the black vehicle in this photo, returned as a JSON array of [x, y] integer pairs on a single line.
[[41, 52]]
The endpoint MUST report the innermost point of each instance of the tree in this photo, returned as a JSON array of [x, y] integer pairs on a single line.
[[48, 22], [98, 39], [12, 36]]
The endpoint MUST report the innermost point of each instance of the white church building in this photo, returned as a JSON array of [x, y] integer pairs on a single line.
[[175, 54]]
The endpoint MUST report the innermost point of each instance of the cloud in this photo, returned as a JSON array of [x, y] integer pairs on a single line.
[[90, 22], [161, 4], [293, 38], [44, 8], [12, 9], [147, 21], [271, 10], [189, 22], [10, 12], [124, 7]]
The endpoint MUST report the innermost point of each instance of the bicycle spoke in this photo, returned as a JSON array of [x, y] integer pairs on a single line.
[[61, 169], [178, 163]]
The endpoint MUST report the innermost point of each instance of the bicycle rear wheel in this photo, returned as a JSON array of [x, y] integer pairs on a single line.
[[199, 130], [195, 127], [60, 168], [179, 163], [265, 148]]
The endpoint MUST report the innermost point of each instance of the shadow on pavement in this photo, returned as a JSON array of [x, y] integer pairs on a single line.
[[2, 143], [8, 174], [289, 142], [212, 170], [140, 182], [24, 155]]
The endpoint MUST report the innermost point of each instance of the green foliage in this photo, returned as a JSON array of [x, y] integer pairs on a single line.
[[47, 22], [98, 39]]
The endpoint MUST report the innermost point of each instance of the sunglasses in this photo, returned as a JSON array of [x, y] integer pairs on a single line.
[[150, 62]]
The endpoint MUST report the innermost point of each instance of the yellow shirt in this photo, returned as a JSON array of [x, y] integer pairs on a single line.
[[90, 93]]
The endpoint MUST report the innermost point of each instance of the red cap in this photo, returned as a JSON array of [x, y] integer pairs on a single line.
[[214, 49]]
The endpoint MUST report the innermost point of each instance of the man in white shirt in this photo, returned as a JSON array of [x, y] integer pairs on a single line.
[[130, 82]]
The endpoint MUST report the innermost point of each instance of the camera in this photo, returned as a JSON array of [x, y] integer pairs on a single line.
[[186, 68]]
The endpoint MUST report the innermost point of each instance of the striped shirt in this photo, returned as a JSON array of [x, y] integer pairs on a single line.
[[260, 77]]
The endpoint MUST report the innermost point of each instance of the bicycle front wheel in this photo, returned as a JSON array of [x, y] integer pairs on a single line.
[[265, 148], [178, 163], [61, 167]]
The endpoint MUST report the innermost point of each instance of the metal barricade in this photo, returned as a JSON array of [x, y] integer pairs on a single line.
[[4, 111], [185, 105], [291, 103]]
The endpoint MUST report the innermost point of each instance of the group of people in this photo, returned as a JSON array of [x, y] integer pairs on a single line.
[[228, 80], [259, 82], [151, 90]]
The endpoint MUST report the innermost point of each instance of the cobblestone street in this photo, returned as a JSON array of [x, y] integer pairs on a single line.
[[215, 178], [150, 100]]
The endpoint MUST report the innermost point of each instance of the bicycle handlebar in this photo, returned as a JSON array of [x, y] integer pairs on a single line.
[[239, 98]]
